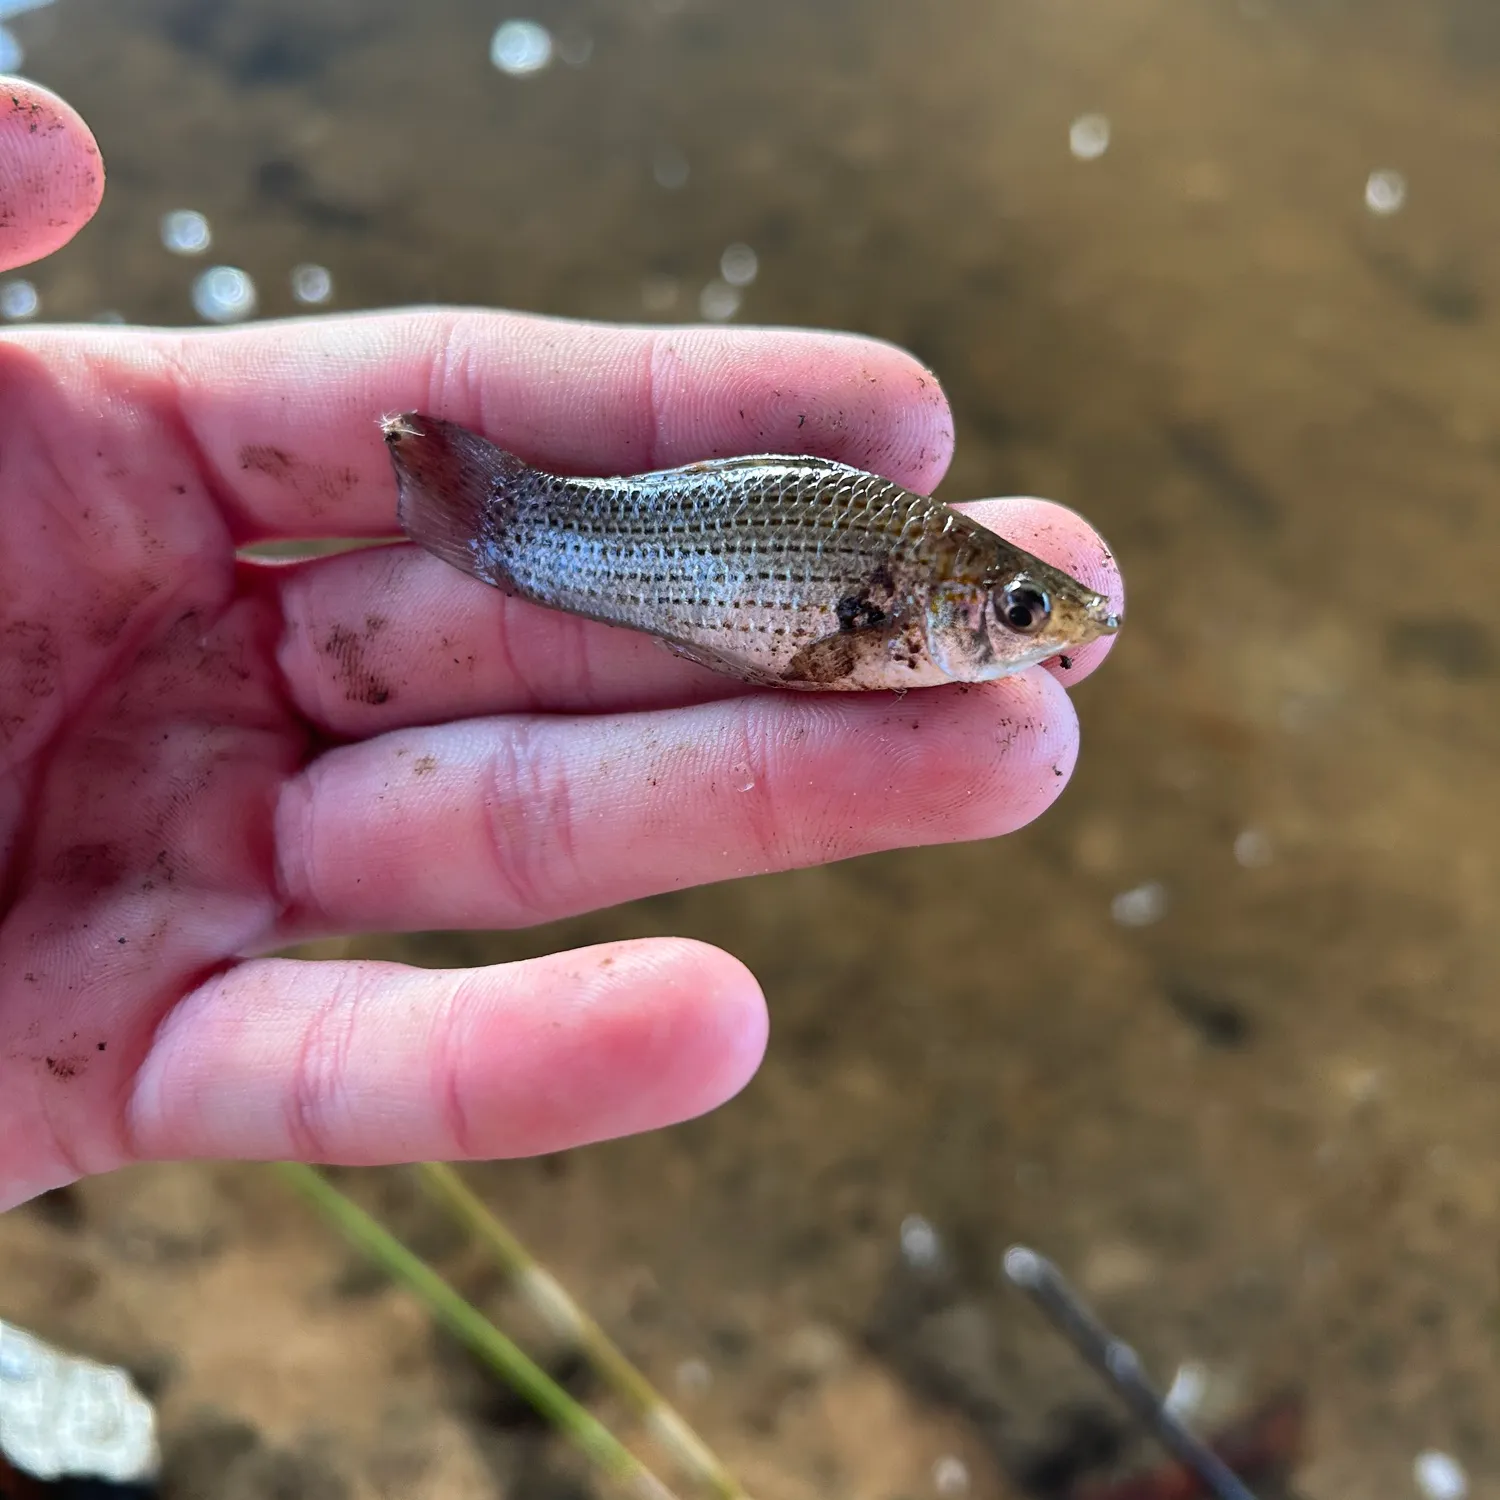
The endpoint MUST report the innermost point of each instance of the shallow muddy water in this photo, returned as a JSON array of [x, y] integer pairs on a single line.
[[1220, 1032]]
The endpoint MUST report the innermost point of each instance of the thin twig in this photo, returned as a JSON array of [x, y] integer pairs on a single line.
[[568, 1321], [474, 1329], [1119, 1364]]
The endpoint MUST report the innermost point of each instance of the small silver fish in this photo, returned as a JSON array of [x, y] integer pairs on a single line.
[[782, 572]]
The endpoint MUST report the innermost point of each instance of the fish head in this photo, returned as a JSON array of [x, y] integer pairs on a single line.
[[1013, 617]]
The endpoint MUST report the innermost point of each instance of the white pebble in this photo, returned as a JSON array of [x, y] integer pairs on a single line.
[[1141, 906], [659, 293], [575, 48], [1385, 192], [669, 167], [185, 231], [18, 301], [718, 302], [920, 1245], [1184, 1398], [694, 1377], [1088, 137], [1440, 1476], [738, 265], [312, 284], [1252, 849], [950, 1476], [521, 47], [223, 294]]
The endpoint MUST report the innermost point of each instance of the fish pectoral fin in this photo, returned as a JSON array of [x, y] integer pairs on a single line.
[[716, 661]]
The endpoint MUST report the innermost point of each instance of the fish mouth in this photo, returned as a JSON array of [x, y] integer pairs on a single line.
[[1105, 619]]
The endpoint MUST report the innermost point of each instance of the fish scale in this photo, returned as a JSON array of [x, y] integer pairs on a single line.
[[782, 571], [717, 561]]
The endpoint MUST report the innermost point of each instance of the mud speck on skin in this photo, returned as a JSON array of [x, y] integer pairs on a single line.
[[424, 765], [68, 1066], [90, 866], [108, 622], [346, 649], [32, 646], [318, 486], [275, 463]]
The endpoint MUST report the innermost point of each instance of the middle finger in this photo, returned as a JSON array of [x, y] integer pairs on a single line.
[[512, 821]]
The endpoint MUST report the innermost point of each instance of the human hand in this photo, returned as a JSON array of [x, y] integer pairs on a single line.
[[204, 758]]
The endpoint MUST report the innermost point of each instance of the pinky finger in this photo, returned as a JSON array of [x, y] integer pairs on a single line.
[[359, 1063]]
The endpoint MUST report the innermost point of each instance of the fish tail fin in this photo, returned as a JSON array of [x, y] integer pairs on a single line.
[[452, 490]]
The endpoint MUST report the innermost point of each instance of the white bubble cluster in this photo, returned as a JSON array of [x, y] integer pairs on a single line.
[[18, 301], [311, 284], [1385, 192], [1088, 137], [185, 231], [521, 47], [224, 294]]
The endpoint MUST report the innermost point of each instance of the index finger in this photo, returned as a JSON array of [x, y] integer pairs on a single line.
[[284, 416]]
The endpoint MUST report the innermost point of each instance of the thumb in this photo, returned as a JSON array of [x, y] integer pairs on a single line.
[[51, 177]]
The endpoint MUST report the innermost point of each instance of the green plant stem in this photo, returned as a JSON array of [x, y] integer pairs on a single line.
[[467, 1323], [563, 1315]]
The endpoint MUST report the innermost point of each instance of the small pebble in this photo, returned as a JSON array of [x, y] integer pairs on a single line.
[[670, 168], [1252, 849], [1140, 906], [185, 231], [224, 294], [1184, 1398], [738, 265], [18, 301], [1440, 1476], [1088, 137], [920, 1246], [950, 1476], [520, 47], [718, 302], [1385, 192], [311, 284]]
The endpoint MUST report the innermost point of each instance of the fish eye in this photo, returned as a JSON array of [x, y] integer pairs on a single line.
[[1024, 607]]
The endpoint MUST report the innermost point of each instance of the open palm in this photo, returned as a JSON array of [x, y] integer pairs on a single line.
[[205, 757]]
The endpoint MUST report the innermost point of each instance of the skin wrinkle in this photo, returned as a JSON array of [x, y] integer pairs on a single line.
[[450, 1059], [294, 844], [526, 772], [660, 354], [754, 749], [317, 1090]]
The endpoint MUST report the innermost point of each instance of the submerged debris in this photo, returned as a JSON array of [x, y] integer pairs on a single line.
[[64, 1417]]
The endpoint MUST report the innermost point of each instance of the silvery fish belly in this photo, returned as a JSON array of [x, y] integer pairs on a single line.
[[783, 572]]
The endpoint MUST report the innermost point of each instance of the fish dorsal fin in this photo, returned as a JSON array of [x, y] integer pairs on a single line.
[[766, 461]]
